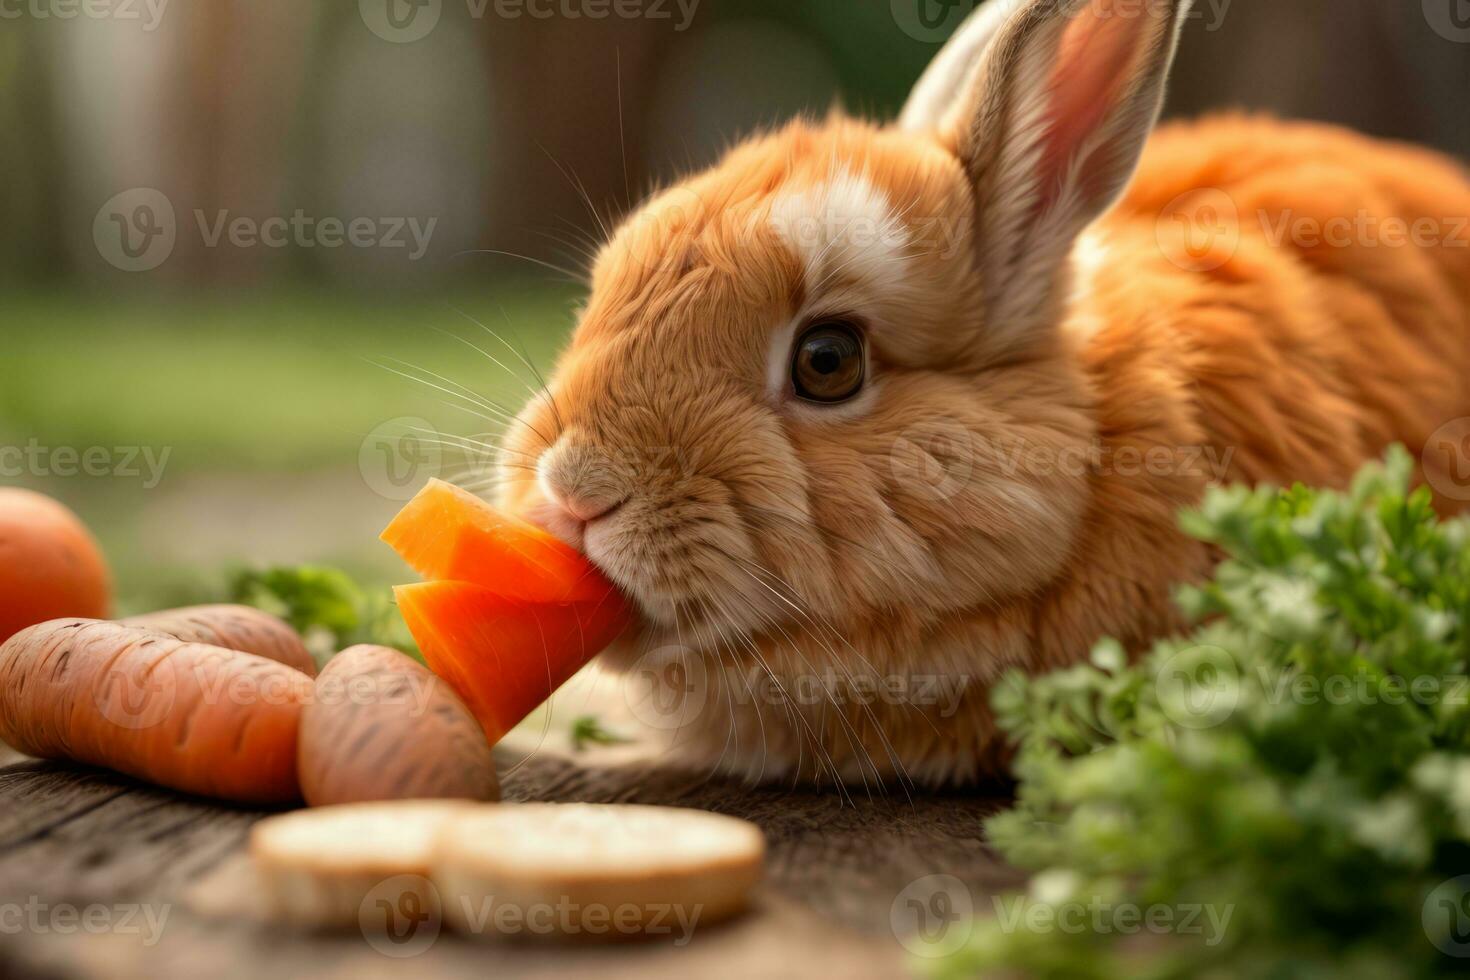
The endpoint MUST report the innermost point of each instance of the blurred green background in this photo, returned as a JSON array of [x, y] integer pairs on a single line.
[[243, 385]]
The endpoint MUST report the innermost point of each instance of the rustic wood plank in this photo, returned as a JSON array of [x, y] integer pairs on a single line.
[[847, 859], [78, 836]]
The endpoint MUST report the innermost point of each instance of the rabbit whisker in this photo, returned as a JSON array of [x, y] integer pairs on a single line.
[[811, 621], [570, 275], [535, 393], [581, 190]]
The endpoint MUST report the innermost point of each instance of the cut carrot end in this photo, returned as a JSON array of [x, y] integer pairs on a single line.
[[502, 655], [450, 534], [510, 612]]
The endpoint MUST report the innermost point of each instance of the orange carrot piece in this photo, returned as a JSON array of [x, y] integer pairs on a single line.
[[445, 533], [50, 565], [196, 718], [503, 655]]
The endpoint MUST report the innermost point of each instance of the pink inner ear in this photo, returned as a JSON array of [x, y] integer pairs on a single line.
[[1094, 63]]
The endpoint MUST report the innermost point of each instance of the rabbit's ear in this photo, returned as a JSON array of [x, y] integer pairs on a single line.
[[1050, 129], [952, 73]]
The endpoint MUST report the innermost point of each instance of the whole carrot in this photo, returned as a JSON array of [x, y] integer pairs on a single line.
[[192, 717], [240, 628]]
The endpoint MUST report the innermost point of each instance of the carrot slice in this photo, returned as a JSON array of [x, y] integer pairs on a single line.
[[510, 612], [502, 654], [448, 533]]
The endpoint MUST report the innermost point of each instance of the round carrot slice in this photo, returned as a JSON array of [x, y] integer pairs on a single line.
[[599, 872], [332, 866]]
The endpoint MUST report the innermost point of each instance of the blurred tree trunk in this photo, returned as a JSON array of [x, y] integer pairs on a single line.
[[32, 247], [242, 89], [561, 123], [1375, 65]]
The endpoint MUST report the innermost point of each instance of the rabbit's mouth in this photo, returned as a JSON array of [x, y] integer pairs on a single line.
[[702, 609], [703, 587]]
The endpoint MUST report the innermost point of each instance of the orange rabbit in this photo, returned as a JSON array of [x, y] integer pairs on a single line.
[[869, 413]]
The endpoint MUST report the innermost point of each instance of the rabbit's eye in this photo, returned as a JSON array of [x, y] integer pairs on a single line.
[[828, 366]]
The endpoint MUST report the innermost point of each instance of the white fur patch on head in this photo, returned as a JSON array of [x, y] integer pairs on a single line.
[[843, 229], [854, 254]]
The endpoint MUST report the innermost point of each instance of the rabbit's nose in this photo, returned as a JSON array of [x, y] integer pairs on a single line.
[[581, 483], [585, 508]]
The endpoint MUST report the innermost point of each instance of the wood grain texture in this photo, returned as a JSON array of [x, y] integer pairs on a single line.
[[76, 836]]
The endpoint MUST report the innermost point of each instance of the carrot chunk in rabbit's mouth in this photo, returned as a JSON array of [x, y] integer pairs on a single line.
[[509, 613]]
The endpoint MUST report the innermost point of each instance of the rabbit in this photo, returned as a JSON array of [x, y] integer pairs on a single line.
[[870, 413]]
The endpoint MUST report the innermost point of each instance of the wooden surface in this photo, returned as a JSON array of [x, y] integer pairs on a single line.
[[71, 838]]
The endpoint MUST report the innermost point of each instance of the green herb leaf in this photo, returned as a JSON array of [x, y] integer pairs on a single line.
[[1298, 767], [587, 729]]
